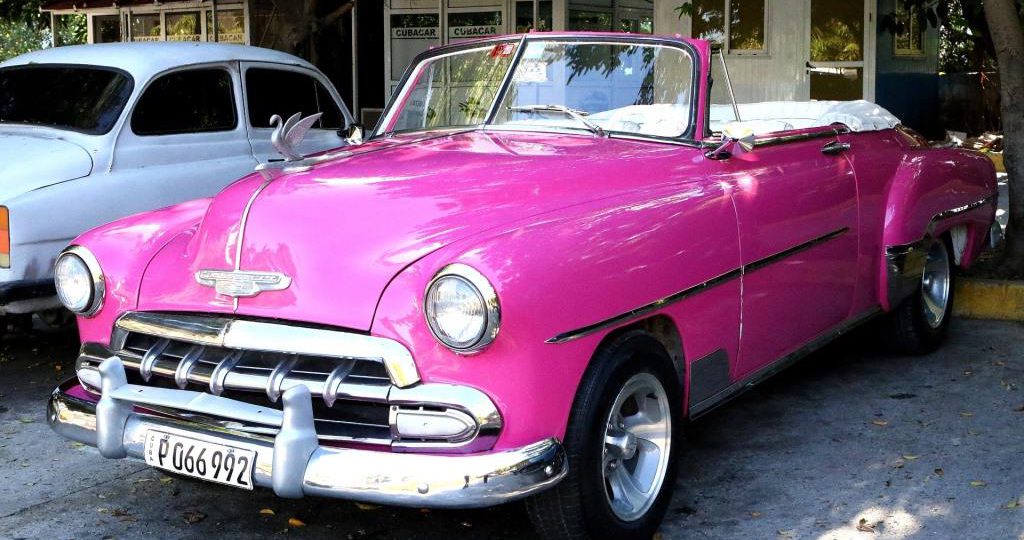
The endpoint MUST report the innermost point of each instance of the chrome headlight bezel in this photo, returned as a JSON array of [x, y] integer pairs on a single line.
[[97, 281], [486, 293]]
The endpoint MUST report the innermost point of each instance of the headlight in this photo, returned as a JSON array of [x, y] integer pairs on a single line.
[[462, 309], [79, 281]]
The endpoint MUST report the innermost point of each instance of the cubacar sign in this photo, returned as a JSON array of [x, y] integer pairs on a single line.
[[414, 33], [461, 32]]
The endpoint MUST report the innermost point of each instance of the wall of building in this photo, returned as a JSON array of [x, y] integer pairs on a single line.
[[909, 85]]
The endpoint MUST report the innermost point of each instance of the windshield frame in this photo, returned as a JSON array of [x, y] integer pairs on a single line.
[[688, 137], [94, 132]]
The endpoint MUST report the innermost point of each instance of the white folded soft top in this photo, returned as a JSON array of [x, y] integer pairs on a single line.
[[772, 116]]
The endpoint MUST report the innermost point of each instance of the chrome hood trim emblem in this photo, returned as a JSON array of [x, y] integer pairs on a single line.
[[240, 284]]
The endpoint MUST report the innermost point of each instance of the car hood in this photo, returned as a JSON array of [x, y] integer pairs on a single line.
[[343, 230], [30, 162]]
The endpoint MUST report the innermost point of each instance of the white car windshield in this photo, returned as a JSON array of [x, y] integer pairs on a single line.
[[77, 98], [627, 87]]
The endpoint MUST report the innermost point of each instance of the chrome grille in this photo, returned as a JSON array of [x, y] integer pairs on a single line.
[[364, 389]]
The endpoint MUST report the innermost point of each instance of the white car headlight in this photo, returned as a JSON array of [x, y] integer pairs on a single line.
[[79, 281], [462, 309]]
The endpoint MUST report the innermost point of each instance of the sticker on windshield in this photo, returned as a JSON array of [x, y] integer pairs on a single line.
[[503, 50], [532, 71]]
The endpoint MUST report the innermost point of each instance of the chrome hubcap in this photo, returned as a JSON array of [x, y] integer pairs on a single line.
[[935, 284], [637, 440]]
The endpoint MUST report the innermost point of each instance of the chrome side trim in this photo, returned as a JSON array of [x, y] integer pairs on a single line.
[[270, 337], [415, 480], [700, 287], [953, 212], [830, 131], [736, 389]]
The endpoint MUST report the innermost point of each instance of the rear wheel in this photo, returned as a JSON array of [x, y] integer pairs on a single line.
[[620, 442], [920, 323]]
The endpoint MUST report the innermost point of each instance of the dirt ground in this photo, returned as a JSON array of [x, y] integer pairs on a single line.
[[852, 443]]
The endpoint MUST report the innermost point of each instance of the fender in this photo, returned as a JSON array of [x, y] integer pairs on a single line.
[[934, 191], [124, 249]]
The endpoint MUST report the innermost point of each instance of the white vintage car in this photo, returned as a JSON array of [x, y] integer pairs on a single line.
[[92, 133]]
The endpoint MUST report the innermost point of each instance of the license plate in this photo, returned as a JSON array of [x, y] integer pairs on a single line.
[[200, 459]]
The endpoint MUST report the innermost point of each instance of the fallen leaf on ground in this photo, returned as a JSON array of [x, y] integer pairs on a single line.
[[296, 522], [267, 512], [193, 516], [657, 536], [1019, 408], [966, 414], [790, 533], [166, 479], [1014, 504], [910, 457], [940, 472], [364, 506], [864, 526], [755, 514], [76, 445], [978, 483], [26, 420], [880, 422]]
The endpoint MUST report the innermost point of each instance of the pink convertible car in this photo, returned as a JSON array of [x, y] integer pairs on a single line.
[[553, 251]]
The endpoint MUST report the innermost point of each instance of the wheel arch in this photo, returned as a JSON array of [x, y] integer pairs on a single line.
[[662, 329]]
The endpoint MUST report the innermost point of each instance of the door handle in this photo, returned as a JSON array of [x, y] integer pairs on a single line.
[[835, 148]]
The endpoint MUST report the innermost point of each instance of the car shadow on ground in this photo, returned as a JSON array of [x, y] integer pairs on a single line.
[[911, 446]]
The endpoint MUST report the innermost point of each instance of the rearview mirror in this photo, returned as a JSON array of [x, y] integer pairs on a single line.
[[354, 134], [736, 139]]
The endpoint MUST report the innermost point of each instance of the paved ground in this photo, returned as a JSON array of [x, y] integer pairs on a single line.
[[904, 448]]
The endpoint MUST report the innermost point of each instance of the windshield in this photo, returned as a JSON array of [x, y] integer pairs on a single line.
[[603, 87], [85, 99]]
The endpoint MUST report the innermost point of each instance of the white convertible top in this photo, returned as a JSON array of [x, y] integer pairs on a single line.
[[771, 116], [145, 59]]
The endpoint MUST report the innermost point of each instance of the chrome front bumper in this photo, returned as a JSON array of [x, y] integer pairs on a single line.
[[294, 464]]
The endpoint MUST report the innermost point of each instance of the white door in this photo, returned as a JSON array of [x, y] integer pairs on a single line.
[[277, 89], [840, 47]]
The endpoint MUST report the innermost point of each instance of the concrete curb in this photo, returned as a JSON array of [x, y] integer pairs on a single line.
[[989, 299]]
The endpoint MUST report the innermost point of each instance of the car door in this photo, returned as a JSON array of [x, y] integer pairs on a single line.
[[796, 201], [277, 89], [182, 139]]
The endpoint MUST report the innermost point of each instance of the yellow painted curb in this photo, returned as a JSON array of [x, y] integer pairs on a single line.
[[997, 160], [989, 299]]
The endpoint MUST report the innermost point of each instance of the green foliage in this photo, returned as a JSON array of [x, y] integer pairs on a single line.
[[19, 37]]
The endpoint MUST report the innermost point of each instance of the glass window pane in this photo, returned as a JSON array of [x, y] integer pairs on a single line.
[[183, 26], [146, 27], [623, 88], [591, 21], [106, 28], [463, 98], [837, 31], [709, 20], [186, 102], [89, 100], [524, 16], [411, 34], [746, 25], [841, 84], [284, 93], [230, 26]]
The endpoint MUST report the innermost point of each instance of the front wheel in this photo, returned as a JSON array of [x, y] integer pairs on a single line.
[[620, 441], [920, 323]]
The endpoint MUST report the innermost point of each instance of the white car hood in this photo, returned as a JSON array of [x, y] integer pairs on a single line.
[[30, 162]]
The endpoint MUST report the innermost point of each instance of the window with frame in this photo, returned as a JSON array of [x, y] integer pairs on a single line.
[[284, 93], [739, 26], [909, 39], [192, 101]]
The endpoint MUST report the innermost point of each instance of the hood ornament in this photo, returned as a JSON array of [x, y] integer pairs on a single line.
[[240, 284], [288, 135]]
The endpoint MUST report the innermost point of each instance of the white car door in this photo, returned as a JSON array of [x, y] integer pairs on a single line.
[[184, 138], [282, 90]]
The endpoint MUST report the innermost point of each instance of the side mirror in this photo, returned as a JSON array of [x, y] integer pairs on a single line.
[[735, 140], [354, 133]]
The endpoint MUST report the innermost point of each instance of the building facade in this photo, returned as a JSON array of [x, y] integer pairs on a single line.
[[776, 49]]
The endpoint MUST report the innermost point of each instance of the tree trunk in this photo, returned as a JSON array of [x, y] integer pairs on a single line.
[[1008, 37]]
